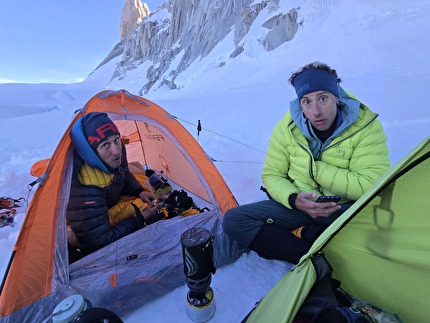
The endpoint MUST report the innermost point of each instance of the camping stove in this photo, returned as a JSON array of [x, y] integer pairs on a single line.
[[197, 252]]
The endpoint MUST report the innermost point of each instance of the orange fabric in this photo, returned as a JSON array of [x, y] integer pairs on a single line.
[[144, 180], [172, 151], [113, 280], [39, 167], [30, 274], [297, 232]]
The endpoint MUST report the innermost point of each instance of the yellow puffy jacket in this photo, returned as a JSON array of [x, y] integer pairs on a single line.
[[124, 208], [348, 165]]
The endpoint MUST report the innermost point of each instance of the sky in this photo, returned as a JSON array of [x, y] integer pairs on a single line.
[[47, 41], [384, 62]]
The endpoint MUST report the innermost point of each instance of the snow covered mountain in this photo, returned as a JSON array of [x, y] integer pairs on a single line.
[[182, 32], [227, 63]]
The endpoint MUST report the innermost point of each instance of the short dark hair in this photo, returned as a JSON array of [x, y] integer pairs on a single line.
[[314, 66]]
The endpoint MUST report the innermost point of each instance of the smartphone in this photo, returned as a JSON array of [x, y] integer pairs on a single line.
[[333, 198]]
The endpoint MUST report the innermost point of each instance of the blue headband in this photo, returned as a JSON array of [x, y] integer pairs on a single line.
[[315, 80]]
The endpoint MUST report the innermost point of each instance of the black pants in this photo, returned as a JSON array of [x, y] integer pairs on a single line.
[[276, 242]]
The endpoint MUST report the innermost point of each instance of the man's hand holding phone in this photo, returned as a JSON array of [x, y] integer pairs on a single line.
[[323, 206], [331, 198]]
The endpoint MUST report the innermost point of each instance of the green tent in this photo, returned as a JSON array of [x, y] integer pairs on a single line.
[[379, 249]]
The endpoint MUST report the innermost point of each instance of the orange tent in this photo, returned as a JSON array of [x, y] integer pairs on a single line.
[[121, 276]]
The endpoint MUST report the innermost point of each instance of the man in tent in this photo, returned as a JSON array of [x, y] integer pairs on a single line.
[[327, 144], [106, 201]]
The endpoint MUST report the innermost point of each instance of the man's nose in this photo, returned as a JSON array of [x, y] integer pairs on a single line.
[[316, 111], [116, 149]]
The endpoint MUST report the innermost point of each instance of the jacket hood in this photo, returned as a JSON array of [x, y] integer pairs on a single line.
[[84, 150], [348, 106]]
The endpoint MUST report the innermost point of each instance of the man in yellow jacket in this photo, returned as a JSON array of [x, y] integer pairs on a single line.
[[327, 144]]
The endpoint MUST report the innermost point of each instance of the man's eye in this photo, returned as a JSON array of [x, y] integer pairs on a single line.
[[323, 98], [306, 102]]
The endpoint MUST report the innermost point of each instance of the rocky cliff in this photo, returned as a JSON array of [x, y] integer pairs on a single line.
[[133, 13], [181, 31]]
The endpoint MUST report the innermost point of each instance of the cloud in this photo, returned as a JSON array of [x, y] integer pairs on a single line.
[[3, 80]]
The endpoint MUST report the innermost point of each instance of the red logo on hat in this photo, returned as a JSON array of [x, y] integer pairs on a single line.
[[103, 131]]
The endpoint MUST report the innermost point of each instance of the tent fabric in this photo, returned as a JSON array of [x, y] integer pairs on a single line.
[[294, 285], [137, 268], [379, 249]]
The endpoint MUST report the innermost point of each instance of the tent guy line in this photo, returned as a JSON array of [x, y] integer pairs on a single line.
[[218, 134]]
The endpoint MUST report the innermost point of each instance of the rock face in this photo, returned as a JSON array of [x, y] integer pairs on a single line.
[[282, 28], [180, 31], [132, 15]]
